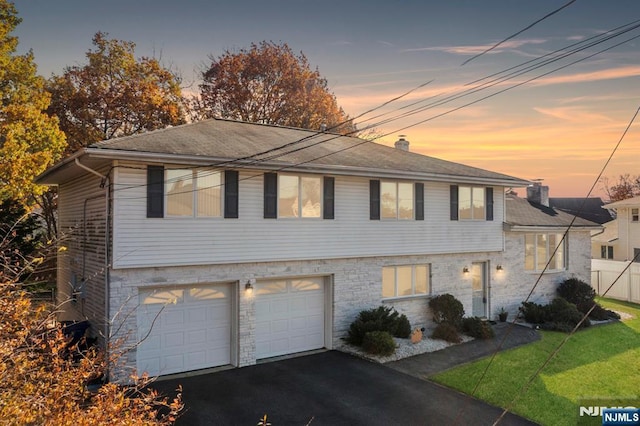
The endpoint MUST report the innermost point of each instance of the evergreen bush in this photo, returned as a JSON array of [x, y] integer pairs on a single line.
[[476, 327], [379, 343], [447, 332], [447, 309]]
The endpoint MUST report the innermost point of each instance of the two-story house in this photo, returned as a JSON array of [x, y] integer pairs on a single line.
[[620, 239], [222, 243]]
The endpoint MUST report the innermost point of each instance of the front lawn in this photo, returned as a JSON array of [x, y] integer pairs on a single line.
[[597, 363]]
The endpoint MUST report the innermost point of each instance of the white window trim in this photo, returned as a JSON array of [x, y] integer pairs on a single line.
[[549, 252], [635, 215], [484, 206], [413, 283], [299, 217], [413, 200], [194, 197]]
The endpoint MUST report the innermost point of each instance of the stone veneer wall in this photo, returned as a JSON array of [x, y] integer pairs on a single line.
[[356, 284]]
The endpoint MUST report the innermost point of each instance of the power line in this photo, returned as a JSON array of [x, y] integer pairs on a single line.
[[563, 241], [519, 32]]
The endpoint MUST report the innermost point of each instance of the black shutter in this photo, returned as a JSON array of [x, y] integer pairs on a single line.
[[270, 195], [489, 202], [231, 194], [419, 207], [453, 200], [374, 199], [328, 198], [155, 191]]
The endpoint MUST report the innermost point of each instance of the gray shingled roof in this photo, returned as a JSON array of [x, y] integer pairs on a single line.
[[522, 212], [590, 209], [225, 139]]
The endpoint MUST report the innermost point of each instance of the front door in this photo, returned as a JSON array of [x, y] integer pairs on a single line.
[[480, 297]]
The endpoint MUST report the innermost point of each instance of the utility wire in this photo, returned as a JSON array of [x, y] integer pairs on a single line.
[[526, 386], [519, 32], [563, 241], [493, 83]]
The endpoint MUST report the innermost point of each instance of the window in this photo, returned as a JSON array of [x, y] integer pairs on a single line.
[[471, 203], [404, 281], [540, 247], [189, 193], [299, 196], [634, 215], [193, 193], [396, 200], [291, 196], [606, 252]]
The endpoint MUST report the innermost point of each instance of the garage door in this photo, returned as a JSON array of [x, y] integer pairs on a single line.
[[184, 329], [289, 316]]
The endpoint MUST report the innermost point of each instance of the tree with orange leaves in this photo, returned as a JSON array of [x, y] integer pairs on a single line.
[[268, 83]]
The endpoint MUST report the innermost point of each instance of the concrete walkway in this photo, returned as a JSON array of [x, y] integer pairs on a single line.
[[428, 364]]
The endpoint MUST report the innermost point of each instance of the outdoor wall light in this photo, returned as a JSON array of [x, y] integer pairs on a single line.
[[249, 287], [499, 268], [465, 270]]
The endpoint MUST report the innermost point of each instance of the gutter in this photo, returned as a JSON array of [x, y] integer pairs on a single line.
[[195, 160]]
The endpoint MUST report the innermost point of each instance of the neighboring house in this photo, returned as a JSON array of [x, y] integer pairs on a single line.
[[620, 239], [222, 242], [535, 229], [587, 208]]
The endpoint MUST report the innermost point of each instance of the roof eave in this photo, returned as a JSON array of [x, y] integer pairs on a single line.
[[548, 228], [198, 160]]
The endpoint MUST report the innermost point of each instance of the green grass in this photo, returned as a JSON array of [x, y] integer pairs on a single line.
[[598, 362]]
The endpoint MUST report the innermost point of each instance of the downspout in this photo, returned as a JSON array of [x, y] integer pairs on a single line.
[[104, 182]]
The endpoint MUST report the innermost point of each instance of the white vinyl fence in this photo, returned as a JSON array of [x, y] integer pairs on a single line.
[[605, 272]]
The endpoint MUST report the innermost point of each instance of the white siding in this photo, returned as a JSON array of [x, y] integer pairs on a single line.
[[81, 229], [139, 241]]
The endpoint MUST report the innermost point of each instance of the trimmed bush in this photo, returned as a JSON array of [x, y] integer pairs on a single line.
[[575, 291], [583, 296], [559, 315], [447, 332], [447, 309], [378, 319], [404, 327], [532, 312], [476, 327], [379, 343], [563, 312]]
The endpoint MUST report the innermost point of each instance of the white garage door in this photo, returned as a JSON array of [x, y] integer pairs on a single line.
[[184, 329], [290, 316]]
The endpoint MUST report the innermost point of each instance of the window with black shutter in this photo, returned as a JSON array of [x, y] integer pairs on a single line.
[[231, 194], [328, 200], [155, 191], [374, 199], [270, 195], [419, 200]]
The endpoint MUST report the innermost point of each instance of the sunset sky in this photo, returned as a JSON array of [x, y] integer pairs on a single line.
[[560, 127]]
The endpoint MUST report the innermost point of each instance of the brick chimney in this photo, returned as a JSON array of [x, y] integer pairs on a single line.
[[402, 143], [538, 193]]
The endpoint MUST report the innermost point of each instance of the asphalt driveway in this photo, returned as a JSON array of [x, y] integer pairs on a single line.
[[328, 388]]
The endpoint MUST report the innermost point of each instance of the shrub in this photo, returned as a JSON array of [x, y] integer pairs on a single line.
[[447, 309], [575, 291], [379, 343], [583, 296], [447, 332], [532, 312], [476, 327], [404, 327], [561, 311], [378, 319]]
